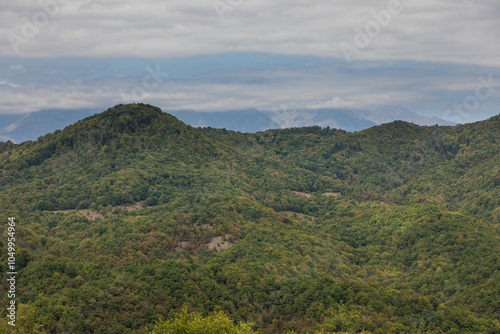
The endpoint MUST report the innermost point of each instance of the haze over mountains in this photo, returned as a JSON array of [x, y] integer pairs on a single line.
[[23, 127], [20, 128], [250, 120], [349, 119]]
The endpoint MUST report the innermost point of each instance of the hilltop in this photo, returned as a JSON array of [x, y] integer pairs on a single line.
[[23, 127], [129, 215]]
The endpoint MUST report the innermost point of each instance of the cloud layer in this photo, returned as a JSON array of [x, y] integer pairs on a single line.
[[429, 55], [241, 81], [458, 31]]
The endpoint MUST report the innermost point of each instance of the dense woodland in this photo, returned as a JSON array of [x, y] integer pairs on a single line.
[[130, 219]]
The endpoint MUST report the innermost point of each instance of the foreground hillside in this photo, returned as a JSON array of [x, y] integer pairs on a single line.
[[131, 215]]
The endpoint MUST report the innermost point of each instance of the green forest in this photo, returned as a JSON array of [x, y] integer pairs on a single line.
[[131, 221]]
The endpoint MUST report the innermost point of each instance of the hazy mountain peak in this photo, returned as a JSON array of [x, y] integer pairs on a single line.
[[19, 128], [388, 114], [39, 123], [247, 120]]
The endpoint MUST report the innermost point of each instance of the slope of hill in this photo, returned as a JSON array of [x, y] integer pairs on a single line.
[[130, 215]]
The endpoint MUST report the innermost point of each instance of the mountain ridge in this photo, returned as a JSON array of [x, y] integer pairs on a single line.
[[19, 128], [391, 229]]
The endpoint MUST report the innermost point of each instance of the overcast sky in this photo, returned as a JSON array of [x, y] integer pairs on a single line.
[[429, 55]]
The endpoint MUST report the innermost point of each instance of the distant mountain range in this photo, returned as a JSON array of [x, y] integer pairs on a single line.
[[350, 119], [23, 127], [345, 119], [400, 113], [249, 120], [253, 120]]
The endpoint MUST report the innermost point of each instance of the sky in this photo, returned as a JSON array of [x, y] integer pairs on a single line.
[[436, 57]]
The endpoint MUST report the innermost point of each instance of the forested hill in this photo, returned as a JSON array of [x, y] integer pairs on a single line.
[[130, 215]]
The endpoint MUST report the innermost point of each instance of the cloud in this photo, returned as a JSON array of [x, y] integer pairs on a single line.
[[241, 81], [92, 53], [463, 32], [10, 84]]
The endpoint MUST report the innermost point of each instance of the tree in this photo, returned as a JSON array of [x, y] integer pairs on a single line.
[[194, 323], [25, 322]]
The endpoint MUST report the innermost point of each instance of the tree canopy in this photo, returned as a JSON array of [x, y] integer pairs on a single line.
[[131, 216]]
